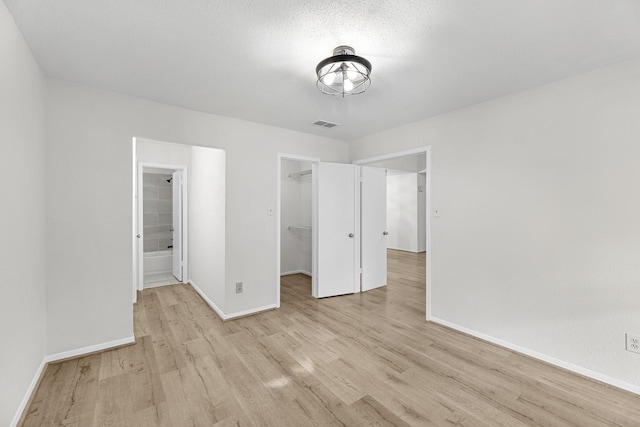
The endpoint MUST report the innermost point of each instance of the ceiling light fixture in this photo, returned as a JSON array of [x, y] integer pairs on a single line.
[[344, 73]]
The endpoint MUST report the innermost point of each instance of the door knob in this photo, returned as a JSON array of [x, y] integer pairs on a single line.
[[385, 233], [351, 234]]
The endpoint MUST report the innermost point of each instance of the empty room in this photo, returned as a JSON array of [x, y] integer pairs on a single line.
[[287, 213]]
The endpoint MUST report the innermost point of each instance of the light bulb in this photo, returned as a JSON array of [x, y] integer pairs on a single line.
[[329, 78], [352, 74], [348, 85]]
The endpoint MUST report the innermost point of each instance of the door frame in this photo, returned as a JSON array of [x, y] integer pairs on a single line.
[[427, 151], [138, 221], [314, 218]]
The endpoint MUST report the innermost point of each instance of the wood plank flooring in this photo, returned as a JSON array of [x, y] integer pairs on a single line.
[[359, 360]]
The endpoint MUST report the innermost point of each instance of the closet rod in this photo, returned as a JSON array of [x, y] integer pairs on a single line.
[[300, 174], [298, 227]]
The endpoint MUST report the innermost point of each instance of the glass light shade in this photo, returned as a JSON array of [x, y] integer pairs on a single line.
[[344, 73]]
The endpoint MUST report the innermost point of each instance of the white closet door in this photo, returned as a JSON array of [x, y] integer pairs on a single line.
[[177, 224], [374, 228], [336, 230]]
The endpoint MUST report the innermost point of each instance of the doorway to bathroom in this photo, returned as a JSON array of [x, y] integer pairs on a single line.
[[197, 177], [162, 226]]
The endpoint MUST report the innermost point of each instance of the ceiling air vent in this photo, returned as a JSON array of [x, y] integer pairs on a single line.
[[325, 124]]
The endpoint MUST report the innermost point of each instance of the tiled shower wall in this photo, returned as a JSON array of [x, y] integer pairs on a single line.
[[157, 209]]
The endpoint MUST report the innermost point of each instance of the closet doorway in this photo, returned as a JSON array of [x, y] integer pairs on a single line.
[[319, 226], [296, 198]]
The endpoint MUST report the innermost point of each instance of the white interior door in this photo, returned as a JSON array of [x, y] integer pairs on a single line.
[[336, 230], [177, 225], [373, 227]]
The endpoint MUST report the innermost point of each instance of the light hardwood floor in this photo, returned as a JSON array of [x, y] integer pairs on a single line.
[[365, 359]]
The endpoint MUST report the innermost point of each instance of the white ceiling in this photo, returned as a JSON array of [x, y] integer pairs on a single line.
[[255, 60]]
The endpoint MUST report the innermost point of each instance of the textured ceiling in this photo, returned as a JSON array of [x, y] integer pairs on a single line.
[[256, 60]]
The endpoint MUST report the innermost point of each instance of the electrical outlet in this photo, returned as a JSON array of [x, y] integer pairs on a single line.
[[239, 288], [633, 343]]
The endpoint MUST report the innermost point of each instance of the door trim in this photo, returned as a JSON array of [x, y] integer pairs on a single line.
[[427, 151], [314, 225]]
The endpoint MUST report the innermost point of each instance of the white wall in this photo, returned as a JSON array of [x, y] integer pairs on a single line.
[[538, 240], [411, 163], [295, 200], [207, 223], [22, 255], [402, 211], [163, 152], [89, 146]]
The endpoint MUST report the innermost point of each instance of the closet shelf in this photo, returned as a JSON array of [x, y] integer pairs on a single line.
[[298, 227], [300, 174]]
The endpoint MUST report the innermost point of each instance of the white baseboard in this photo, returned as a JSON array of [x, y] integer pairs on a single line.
[[251, 311], [60, 356], [206, 299], [543, 357], [289, 273], [90, 349], [27, 395], [404, 250], [230, 316]]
